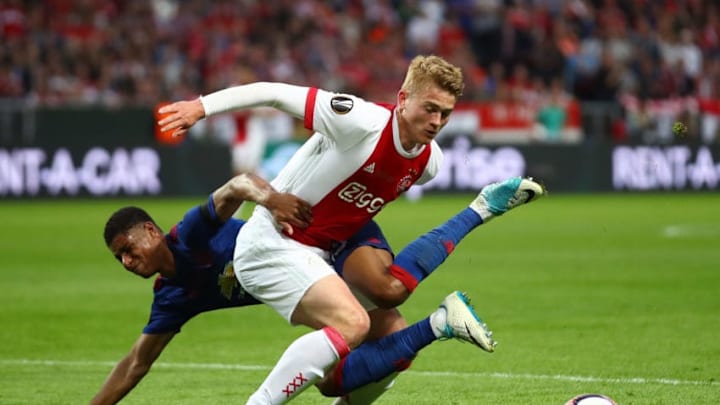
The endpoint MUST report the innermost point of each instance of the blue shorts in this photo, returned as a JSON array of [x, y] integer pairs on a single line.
[[369, 235]]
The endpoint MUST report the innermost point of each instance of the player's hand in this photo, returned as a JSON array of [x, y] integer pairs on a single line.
[[289, 211], [178, 117]]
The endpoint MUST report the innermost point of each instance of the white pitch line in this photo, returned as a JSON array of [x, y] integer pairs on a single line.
[[251, 367], [574, 378], [690, 231], [83, 363]]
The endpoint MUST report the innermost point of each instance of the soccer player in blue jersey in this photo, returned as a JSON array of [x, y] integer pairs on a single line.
[[194, 263], [194, 266]]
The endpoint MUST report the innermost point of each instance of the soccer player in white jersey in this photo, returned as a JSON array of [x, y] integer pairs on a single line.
[[193, 264], [362, 156]]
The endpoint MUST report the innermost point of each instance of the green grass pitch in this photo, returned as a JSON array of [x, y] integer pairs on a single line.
[[617, 294]]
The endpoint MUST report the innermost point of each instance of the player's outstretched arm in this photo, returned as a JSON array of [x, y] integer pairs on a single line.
[[131, 369], [181, 115], [287, 209]]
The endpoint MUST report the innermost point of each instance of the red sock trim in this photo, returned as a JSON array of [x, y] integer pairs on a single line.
[[338, 377], [406, 278], [402, 365], [337, 340]]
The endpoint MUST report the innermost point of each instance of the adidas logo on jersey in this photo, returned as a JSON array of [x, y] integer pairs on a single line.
[[369, 168]]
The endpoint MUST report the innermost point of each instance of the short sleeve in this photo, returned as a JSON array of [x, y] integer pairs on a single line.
[[199, 225], [345, 118], [168, 314]]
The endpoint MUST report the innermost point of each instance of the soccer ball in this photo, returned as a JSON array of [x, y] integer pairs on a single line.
[[590, 399]]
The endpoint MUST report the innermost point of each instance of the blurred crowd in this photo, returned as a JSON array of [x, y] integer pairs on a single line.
[[136, 52]]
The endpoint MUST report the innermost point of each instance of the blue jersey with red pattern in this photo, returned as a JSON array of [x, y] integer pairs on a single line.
[[202, 247]]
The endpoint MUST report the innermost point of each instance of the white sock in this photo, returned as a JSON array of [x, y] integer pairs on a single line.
[[302, 365], [438, 320], [478, 205], [367, 394]]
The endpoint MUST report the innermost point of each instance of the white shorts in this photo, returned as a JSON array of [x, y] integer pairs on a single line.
[[273, 268], [362, 299]]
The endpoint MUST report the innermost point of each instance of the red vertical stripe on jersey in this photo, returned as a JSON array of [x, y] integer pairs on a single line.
[[310, 107]]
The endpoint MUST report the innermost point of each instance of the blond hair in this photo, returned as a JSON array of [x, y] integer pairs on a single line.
[[425, 71]]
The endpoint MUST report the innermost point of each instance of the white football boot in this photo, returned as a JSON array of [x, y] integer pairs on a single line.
[[498, 198], [456, 319]]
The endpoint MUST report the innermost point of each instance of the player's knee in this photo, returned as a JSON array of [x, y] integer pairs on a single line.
[[354, 327], [390, 295]]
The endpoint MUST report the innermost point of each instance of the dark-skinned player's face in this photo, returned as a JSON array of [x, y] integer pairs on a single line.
[[139, 250]]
